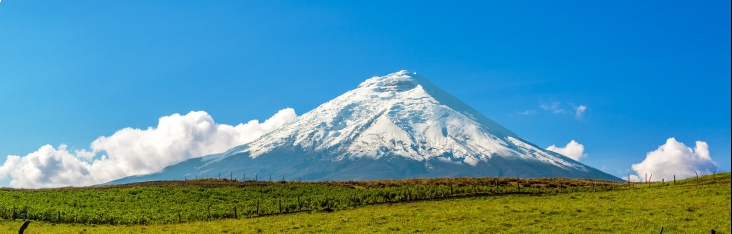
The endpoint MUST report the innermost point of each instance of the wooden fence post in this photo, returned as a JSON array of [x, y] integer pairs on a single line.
[[649, 180], [23, 227], [697, 177], [236, 215], [257, 207], [674, 179]]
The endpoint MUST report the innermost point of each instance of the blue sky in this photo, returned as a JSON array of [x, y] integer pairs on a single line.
[[72, 71]]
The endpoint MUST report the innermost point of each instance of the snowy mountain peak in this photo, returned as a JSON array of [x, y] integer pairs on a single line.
[[394, 126], [400, 115], [395, 82]]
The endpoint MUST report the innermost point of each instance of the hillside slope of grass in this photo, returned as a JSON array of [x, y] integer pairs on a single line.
[[688, 207], [161, 202]]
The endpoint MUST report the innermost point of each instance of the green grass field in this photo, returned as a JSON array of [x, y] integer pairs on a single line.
[[165, 202], [687, 207]]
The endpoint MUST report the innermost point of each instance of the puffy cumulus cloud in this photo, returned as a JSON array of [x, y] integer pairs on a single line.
[[8, 166], [675, 158], [579, 111], [132, 151], [572, 150], [46, 167]]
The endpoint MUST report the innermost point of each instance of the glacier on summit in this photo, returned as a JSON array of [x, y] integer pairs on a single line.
[[389, 127]]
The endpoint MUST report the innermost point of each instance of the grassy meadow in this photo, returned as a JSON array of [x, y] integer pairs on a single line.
[[165, 202], [686, 207]]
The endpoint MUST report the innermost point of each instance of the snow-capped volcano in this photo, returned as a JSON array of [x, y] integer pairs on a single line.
[[394, 126]]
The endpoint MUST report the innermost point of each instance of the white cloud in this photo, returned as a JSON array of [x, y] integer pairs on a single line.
[[580, 111], [675, 158], [8, 166], [83, 154], [548, 106], [572, 150], [553, 107], [135, 151]]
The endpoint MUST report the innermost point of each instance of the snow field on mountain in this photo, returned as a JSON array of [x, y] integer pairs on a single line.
[[394, 115]]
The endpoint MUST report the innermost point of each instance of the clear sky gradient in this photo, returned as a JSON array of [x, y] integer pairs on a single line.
[[71, 71]]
